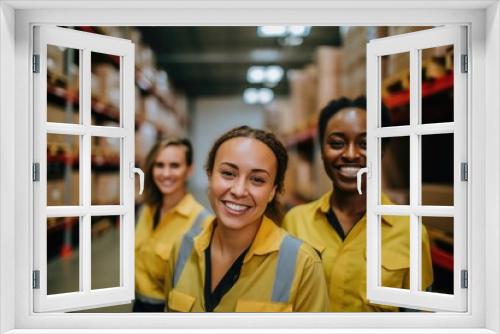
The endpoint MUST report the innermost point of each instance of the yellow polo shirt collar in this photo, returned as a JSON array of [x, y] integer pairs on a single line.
[[324, 206], [186, 206], [267, 240]]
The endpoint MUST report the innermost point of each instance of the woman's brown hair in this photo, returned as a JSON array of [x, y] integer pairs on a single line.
[[152, 195], [274, 209]]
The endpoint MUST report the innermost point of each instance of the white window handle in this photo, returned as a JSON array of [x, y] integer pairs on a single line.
[[359, 174], [139, 171]]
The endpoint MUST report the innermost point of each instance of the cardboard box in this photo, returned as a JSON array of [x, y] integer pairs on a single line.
[[328, 89], [328, 59], [57, 114], [55, 192], [55, 63], [304, 179], [322, 182], [106, 188], [303, 98], [107, 84]]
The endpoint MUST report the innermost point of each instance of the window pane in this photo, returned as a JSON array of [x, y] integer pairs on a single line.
[[106, 171], [395, 169], [105, 251], [63, 170], [63, 263], [395, 77], [63, 84], [437, 84], [440, 235], [105, 87], [395, 251], [437, 169]]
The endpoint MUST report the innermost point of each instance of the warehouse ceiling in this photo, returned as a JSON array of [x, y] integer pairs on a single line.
[[208, 61]]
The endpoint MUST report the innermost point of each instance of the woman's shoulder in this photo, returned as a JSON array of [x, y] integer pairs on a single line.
[[309, 253], [146, 212], [308, 208], [303, 249]]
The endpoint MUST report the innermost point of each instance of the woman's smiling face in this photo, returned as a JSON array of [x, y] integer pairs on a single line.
[[344, 147], [170, 170], [241, 183]]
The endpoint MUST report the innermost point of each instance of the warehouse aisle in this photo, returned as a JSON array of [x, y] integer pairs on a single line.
[[105, 268]]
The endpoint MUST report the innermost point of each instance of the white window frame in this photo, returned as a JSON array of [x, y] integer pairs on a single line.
[[16, 19], [84, 43], [413, 43]]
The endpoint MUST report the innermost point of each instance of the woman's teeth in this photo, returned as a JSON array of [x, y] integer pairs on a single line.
[[235, 207], [349, 171]]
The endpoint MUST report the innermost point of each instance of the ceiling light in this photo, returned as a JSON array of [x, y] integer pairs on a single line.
[[274, 74], [251, 96], [266, 95], [300, 31], [271, 31], [291, 41], [256, 74], [258, 95]]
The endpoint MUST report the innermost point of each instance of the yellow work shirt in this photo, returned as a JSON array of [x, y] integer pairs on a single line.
[[149, 241], [344, 261], [254, 290]]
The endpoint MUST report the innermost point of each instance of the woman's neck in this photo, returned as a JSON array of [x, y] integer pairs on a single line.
[[350, 203], [231, 242], [171, 200]]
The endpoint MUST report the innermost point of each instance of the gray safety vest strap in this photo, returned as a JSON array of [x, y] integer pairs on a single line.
[[187, 244], [285, 270], [149, 300]]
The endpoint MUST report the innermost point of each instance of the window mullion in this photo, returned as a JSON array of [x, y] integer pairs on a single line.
[[415, 162], [85, 179], [127, 226]]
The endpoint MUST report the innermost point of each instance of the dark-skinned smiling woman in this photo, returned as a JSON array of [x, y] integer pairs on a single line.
[[242, 261], [335, 224]]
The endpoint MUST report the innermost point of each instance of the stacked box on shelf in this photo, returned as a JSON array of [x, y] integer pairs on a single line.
[[291, 178], [106, 169], [354, 45], [139, 106], [107, 84], [144, 57], [275, 116], [145, 137], [114, 31], [303, 85], [55, 64], [181, 109], [283, 125], [398, 30], [58, 114], [322, 182], [354, 67], [400, 62], [305, 185], [329, 64], [106, 188], [55, 192], [75, 186], [438, 194]]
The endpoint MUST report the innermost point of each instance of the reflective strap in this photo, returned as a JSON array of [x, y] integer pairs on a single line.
[[187, 244], [149, 300], [285, 270]]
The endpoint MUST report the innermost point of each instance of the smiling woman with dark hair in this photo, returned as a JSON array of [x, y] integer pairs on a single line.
[[242, 261], [335, 224]]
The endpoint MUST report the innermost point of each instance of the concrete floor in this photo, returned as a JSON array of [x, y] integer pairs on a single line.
[[63, 273]]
